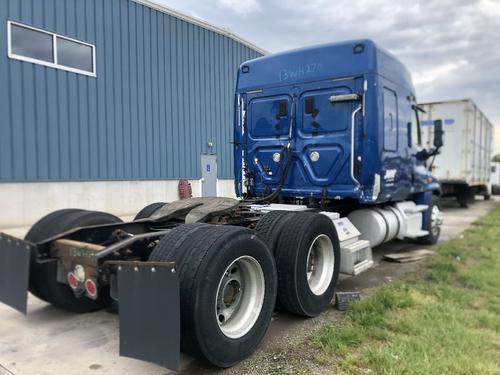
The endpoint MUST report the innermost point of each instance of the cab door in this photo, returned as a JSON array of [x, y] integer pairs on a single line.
[[267, 132], [397, 163], [324, 132]]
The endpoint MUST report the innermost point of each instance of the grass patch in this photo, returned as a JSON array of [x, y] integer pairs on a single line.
[[446, 320]]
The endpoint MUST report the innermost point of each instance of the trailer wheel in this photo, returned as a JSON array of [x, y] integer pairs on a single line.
[[308, 261], [149, 210], [43, 277], [270, 225], [434, 222], [227, 287]]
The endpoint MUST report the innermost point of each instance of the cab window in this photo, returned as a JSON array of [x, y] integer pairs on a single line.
[[415, 138], [390, 120]]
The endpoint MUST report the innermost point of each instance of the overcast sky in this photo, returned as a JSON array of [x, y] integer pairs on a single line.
[[452, 47]]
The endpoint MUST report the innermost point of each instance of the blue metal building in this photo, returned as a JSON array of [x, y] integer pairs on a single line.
[[113, 90]]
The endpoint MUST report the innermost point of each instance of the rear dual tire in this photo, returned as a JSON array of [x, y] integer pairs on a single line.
[[301, 242], [270, 226], [227, 286], [308, 261]]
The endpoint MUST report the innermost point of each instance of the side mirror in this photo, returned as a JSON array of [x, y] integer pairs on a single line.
[[438, 134]]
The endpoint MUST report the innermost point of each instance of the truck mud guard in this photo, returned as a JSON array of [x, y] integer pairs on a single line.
[[148, 294], [15, 257]]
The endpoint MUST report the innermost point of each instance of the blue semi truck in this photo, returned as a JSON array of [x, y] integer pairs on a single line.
[[328, 165]]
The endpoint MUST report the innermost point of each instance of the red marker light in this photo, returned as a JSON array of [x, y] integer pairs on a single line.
[[91, 288], [72, 280]]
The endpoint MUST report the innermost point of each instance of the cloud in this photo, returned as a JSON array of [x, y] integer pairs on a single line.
[[438, 72], [240, 7]]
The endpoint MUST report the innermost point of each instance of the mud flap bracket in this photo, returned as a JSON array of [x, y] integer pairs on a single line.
[[148, 295], [15, 257]]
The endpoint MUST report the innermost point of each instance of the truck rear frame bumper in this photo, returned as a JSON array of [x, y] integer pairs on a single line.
[[148, 295]]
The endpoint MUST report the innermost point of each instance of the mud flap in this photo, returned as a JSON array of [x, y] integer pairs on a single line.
[[14, 271], [148, 295]]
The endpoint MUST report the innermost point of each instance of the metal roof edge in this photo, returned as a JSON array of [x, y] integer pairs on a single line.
[[201, 23], [448, 101]]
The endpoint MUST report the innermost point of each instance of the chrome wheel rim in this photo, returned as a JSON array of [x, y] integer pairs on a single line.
[[320, 264], [436, 220], [240, 297]]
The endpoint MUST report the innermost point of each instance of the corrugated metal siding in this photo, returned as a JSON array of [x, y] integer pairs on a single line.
[[164, 89]]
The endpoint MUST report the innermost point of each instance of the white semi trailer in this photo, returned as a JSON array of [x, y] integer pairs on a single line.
[[464, 164], [495, 178]]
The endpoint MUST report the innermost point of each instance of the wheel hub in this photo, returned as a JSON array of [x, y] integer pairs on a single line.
[[320, 264], [231, 293], [436, 220], [240, 297], [310, 264]]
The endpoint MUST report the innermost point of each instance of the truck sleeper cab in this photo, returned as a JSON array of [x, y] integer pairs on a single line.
[[327, 160], [347, 114]]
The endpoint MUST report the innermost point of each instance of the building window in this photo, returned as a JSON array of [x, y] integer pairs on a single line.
[[32, 44], [74, 55], [37, 46]]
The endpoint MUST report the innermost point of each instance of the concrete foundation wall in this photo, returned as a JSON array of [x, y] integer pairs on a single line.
[[22, 204]]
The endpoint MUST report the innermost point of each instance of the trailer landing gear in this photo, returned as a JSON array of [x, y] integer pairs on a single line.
[[464, 196]]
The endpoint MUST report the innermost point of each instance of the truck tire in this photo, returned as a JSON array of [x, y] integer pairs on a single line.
[[270, 225], [219, 324], [43, 277], [149, 210], [269, 229], [308, 261], [432, 227]]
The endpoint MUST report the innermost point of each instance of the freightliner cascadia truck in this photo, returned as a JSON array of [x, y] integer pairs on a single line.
[[328, 164]]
